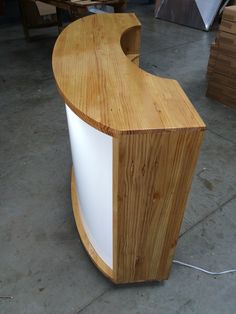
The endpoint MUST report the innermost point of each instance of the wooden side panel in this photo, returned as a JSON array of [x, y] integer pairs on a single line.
[[152, 177]]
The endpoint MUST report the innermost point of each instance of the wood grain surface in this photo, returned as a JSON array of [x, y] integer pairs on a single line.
[[226, 49], [222, 80], [222, 93], [230, 13], [228, 26], [109, 92], [225, 38], [156, 138], [152, 177], [221, 62]]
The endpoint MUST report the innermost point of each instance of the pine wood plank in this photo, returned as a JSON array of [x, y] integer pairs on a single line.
[[223, 64], [109, 92], [228, 26], [225, 38], [229, 13], [227, 50], [220, 78], [221, 94], [153, 174]]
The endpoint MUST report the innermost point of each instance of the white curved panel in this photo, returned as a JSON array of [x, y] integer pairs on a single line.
[[92, 161]]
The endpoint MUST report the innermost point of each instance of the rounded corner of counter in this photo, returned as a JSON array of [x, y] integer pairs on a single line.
[[112, 101]]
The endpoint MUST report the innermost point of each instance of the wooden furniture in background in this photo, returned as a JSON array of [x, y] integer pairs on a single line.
[[33, 14], [135, 140], [222, 61], [79, 8], [32, 18]]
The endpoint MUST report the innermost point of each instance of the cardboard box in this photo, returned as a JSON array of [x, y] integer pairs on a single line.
[[228, 26], [229, 13]]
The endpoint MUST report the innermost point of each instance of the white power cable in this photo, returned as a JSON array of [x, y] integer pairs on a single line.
[[204, 270]]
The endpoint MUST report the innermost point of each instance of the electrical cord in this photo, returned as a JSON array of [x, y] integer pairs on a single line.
[[204, 270]]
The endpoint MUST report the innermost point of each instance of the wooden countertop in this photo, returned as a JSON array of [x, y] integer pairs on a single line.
[[104, 88]]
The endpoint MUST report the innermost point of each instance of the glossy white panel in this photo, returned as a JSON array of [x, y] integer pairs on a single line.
[[208, 10], [92, 161]]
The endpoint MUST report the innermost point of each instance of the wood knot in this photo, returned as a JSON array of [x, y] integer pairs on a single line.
[[156, 196]]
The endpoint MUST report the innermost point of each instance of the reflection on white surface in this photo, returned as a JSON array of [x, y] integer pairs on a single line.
[[92, 161], [208, 10]]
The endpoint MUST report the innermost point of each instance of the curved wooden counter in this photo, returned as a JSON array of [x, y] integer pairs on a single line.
[[105, 89], [135, 139]]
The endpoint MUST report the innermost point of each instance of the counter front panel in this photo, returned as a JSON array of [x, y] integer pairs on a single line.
[[92, 166]]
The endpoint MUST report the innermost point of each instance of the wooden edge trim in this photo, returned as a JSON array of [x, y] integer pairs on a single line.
[[96, 259], [115, 162]]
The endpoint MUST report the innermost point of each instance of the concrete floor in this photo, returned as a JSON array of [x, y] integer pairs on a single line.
[[42, 262]]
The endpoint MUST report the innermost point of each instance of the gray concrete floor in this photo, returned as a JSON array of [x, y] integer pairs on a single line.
[[42, 261]]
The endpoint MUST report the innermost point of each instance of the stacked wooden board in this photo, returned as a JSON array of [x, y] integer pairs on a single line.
[[222, 61]]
